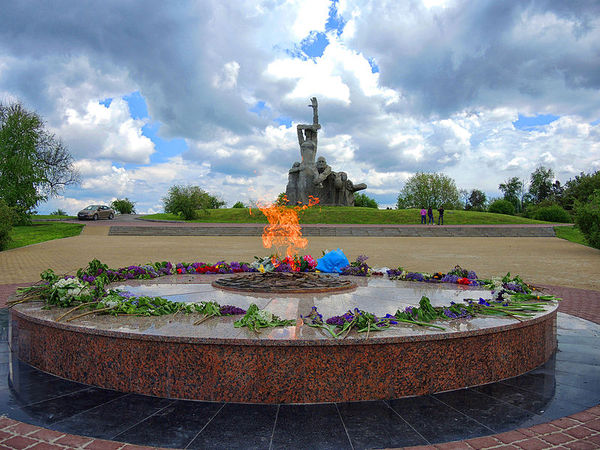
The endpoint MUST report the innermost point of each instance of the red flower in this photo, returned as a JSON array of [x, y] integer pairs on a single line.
[[464, 281], [179, 270]]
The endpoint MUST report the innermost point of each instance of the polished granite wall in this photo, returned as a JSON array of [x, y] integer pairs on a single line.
[[168, 357]]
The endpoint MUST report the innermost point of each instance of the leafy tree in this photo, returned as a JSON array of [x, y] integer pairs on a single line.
[[363, 200], [123, 206], [502, 206], [281, 199], [587, 218], [186, 200], [238, 204], [552, 213], [477, 200], [464, 194], [513, 190], [429, 189], [59, 212], [580, 189], [34, 164], [541, 184], [6, 222]]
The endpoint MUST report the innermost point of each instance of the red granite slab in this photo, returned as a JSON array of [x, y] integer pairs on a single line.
[[299, 370]]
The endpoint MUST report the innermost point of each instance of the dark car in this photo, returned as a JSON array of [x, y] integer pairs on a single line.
[[95, 212]]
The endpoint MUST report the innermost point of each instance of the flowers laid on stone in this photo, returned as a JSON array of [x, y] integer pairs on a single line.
[[87, 292], [256, 318]]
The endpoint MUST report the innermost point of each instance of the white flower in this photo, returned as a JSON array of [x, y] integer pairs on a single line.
[[265, 315]]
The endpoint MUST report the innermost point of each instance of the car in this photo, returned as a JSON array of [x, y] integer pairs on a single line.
[[95, 212]]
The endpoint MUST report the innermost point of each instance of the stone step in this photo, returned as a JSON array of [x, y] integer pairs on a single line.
[[361, 231]]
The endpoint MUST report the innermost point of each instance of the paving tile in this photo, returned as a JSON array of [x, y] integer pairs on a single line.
[[73, 441], [565, 422], [510, 436], [484, 442], [19, 442], [101, 444], [579, 432], [557, 438], [532, 444], [46, 435]]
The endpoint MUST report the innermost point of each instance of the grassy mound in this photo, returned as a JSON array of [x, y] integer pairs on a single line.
[[352, 215]]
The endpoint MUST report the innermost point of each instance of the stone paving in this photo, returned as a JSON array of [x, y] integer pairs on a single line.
[[553, 258]]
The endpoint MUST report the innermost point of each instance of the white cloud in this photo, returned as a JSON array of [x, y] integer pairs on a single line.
[[227, 79], [106, 132]]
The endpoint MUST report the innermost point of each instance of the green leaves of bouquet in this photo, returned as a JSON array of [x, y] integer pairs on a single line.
[[256, 318]]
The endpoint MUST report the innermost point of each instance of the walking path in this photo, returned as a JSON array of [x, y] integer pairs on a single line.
[[569, 270]]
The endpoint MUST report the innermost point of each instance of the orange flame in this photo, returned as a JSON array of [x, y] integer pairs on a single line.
[[284, 227]]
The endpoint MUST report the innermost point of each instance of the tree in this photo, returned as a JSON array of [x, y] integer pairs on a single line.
[[281, 199], [580, 189], [540, 188], [238, 204], [587, 218], [6, 223], [477, 200], [429, 189], [513, 192], [464, 194], [186, 200], [34, 164], [364, 201], [59, 212], [502, 206], [123, 206]]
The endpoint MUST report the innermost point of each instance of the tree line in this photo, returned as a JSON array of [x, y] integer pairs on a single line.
[[542, 197]]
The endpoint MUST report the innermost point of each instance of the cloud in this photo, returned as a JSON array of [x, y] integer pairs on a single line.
[[402, 87]]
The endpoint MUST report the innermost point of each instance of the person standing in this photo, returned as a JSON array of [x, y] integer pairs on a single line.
[[423, 215], [430, 216], [441, 215]]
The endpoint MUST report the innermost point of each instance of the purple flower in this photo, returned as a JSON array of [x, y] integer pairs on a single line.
[[450, 279], [229, 310], [414, 276], [337, 320], [482, 301], [361, 259]]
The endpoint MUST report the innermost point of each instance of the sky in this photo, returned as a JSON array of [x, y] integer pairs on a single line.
[[147, 95]]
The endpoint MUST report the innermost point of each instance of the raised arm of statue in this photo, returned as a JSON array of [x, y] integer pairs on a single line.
[[300, 129], [315, 106]]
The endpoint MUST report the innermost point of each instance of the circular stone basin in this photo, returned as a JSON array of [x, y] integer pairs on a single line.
[[284, 283], [168, 356]]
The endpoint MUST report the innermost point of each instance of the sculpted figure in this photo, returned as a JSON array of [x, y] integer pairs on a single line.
[[324, 182], [291, 191], [310, 177], [345, 189]]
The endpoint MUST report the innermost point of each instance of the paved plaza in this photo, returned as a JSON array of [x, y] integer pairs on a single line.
[[566, 269]]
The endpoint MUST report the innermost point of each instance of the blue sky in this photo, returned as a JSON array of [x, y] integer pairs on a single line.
[[478, 91]]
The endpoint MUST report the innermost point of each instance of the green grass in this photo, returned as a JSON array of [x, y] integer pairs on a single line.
[[41, 232], [571, 233], [340, 214]]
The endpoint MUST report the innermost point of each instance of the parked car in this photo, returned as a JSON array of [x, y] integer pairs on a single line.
[[95, 212]]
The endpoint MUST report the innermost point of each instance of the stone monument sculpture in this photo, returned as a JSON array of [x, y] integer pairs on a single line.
[[316, 178]]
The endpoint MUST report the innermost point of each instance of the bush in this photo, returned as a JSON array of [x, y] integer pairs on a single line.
[[552, 213], [502, 206], [59, 212], [239, 205], [6, 223], [587, 218], [123, 206], [186, 200], [362, 200]]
